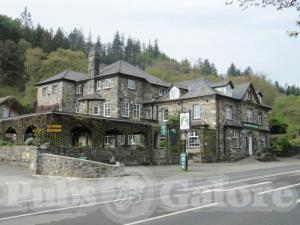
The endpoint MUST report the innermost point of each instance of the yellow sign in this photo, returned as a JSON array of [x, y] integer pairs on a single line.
[[54, 126], [54, 130]]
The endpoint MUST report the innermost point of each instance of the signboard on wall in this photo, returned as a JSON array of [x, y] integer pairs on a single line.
[[184, 121], [163, 129], [54, 128]]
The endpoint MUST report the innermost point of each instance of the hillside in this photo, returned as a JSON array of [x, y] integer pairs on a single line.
[[30, 53]]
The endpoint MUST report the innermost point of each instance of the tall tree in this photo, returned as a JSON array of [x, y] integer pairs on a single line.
[[117, 47], [76, 39], [248, 71], [233, 71]]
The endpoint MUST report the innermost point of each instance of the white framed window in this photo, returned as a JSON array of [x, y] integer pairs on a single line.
[[229, 90], [136, 110], [162, 91], [108, 140], [249, 115], [44, 91], [134, 139], [249, 95], [131, 84], [107, 109], [54, 89], [148, 114], [174, 93], [196, 111], [96, 110], [125, 109], [79, 88], [193, 140], [164, 114], [98, 85], [259, 118], [228, 112], [236, 138], [6, 112], [77, 109], [108, 83]]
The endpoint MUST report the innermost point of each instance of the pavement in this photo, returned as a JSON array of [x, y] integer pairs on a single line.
[[247, 192]]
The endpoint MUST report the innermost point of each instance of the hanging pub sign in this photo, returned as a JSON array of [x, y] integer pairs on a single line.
[[184, 121], [163, 129]]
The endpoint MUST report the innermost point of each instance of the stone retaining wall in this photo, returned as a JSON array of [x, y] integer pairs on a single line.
[[53, 165]]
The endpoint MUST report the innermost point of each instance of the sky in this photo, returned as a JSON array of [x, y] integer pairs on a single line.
[[191, 29]]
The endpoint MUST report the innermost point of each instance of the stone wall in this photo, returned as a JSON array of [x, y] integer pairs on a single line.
[[53, 165], [127, 156], [18, 155]]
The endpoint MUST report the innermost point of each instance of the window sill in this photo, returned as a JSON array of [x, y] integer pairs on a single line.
[[106, 88], [133, 89]]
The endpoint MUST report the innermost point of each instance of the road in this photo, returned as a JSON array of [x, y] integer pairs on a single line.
[[265, 196]]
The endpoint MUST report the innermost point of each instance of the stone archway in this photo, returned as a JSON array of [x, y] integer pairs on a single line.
[[10, 135], [29, 132], [81, 136], [114, 138]]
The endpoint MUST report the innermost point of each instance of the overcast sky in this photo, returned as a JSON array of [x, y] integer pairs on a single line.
[[185, 29]]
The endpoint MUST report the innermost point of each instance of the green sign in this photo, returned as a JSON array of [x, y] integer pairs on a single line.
[[173, 137], [250, 125], [163, 129], [184, 161]]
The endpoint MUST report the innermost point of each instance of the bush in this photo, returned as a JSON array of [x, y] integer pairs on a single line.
[[281, 143]]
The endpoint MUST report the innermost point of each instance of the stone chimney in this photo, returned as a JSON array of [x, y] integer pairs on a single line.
[[94, 62]]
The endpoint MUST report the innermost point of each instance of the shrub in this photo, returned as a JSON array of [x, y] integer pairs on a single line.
[[281, 143]]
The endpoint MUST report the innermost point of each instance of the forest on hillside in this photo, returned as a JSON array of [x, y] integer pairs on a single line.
[[29, 53]]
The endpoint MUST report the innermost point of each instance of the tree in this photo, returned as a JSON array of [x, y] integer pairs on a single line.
[[33, 64], [278, 4], [9, 29], [11, 65], [63, 59], [117, 47], [59, 40], [76, 39], [248, 71], [233, 71]]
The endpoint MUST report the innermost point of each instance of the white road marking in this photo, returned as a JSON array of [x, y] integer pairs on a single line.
[[174, 213], [237, 181], [62, 209], [278, 189], [236, 188]]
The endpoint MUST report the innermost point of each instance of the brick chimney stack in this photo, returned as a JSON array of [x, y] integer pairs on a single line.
[[93, 63]]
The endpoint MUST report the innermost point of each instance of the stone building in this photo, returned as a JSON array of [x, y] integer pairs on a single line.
[[227, 121], [10, 107]]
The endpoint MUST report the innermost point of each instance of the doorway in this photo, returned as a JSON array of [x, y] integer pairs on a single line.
[[250, 144]]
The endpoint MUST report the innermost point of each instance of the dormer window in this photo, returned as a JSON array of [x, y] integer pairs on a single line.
[[226, 90], [174, 93], [131, 84], [79, 89], [249, 95]]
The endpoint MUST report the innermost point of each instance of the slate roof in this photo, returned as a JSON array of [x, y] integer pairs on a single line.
[[13, 103], [91, 97], [240, 90], [127, 69], [65, 75]]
